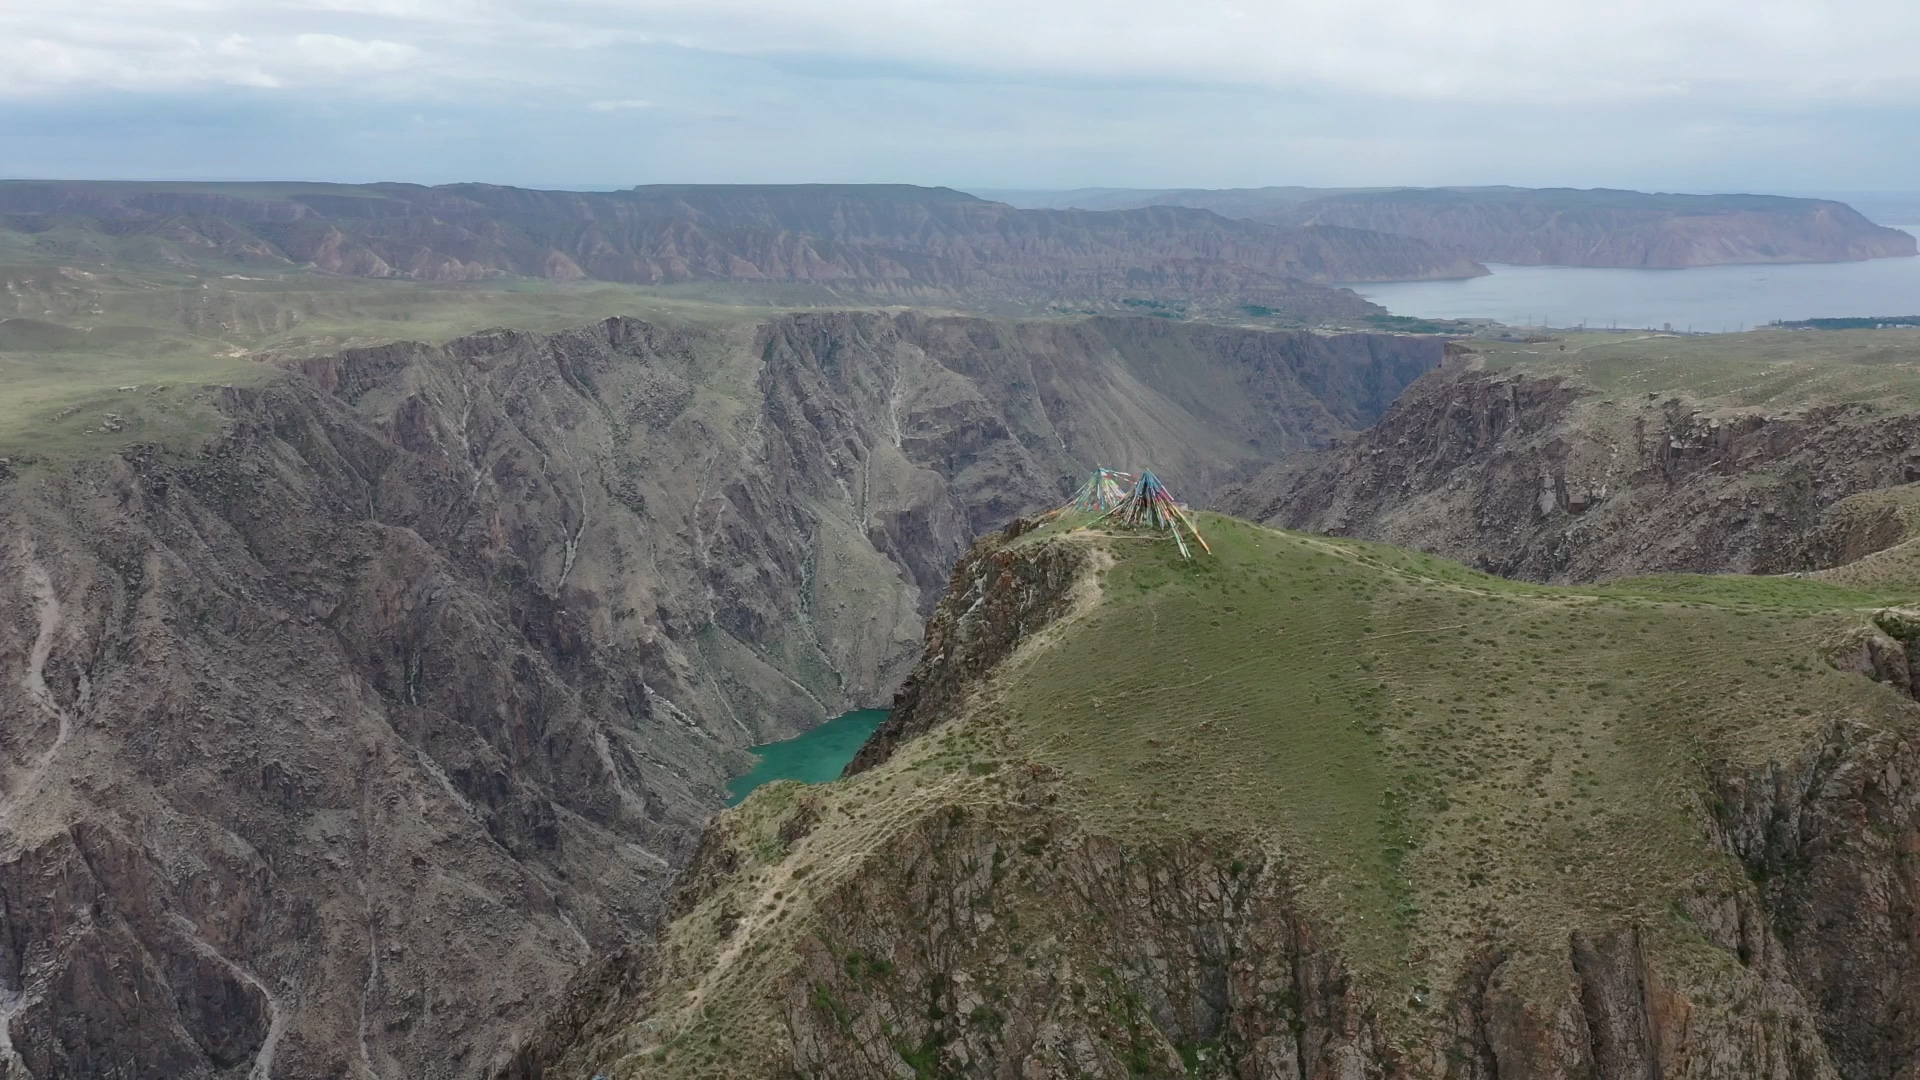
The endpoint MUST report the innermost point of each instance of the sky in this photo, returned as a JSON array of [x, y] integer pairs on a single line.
[[1800, 96]]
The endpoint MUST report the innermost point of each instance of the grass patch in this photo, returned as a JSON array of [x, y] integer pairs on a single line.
[[72, 334], [1776, 370], [1424, 739]]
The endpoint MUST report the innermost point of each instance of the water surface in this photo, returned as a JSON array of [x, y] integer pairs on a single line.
[[1705, 298], [811, 758]]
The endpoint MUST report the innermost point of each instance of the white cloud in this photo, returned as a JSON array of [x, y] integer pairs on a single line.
[[1516, 51], [170, 47], [621, 105], [335, 53]]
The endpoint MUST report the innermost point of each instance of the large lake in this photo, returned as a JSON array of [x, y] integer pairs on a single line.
[[1706, 298]]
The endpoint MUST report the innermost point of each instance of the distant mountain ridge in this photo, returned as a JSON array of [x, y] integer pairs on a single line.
[[891, 243], [1548, 226]]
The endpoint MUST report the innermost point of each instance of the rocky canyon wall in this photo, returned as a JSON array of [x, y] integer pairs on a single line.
[[336, 742], [1549, 479]]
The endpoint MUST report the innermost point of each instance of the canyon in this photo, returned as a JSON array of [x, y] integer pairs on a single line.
[[350, 722], [1729, 454], [1316, 807]]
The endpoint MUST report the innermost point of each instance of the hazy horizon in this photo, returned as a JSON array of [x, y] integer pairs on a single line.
[[1892, 202], [1681, 95]]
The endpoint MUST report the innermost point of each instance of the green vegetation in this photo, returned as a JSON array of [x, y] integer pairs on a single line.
[[1427, 740], [71, 339], [1775, 370], [1433, 754], [1392, 324], [1408, 324]]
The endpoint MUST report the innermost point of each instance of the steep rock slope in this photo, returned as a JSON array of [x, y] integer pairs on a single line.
[[1317, 810], [336, 741], [1655, 455], [880, 241]]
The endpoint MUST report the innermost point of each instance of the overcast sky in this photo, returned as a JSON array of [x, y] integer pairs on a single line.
[[1774, 95]]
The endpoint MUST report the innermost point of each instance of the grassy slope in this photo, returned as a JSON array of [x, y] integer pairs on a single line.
[[1438, 754], [1435, 745], [69, 338], [1777, 370]]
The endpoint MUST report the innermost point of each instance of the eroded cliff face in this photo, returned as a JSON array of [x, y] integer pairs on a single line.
[[1024, 948], [992, 933], [1831, 840], [1548, 479], [336, 743], [996, 600], [1611, 228]]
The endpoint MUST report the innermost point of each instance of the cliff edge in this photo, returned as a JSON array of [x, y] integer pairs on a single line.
[[1315, 809]]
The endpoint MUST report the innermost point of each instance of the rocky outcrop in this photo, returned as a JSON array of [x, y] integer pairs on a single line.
[[339, 740], [1544, 478], [996, 599], [1183, 960], [1038, 951], [1869, 522], [881, 242], [1831, 841], [1012, 943]]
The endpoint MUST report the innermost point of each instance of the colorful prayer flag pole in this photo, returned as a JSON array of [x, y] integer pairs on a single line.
[[1150, 505], [1103, 491]]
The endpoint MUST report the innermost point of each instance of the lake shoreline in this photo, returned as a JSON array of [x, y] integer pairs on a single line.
[[1702, 299]]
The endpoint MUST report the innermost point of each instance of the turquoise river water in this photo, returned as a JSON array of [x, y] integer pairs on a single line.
[[813, 758]]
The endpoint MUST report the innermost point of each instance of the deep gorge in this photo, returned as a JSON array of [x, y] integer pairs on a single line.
[[372, 716]]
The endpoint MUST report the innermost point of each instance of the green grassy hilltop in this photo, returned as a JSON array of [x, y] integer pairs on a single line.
[[1776, 370], [1435, 744], [1436, 759]]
